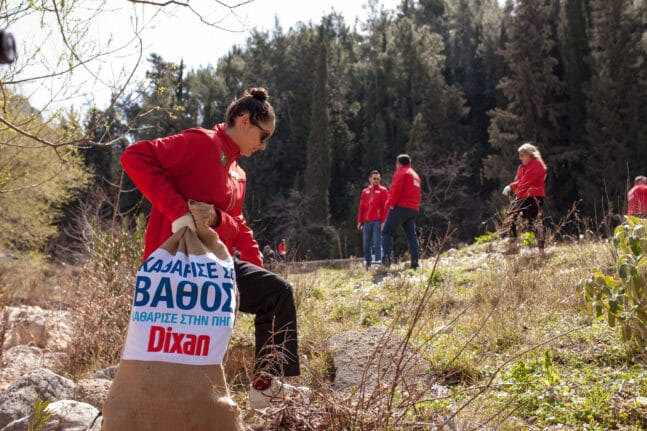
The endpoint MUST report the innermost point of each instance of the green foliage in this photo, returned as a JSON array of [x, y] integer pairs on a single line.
[[35, 180], [486, 238], [40, 415], [527, 239], [615, 128], [621, 298]]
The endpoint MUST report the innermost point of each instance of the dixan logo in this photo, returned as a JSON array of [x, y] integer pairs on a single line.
[[165, 340]]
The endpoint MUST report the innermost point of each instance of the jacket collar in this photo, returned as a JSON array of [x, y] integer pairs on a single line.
[[229, 147]]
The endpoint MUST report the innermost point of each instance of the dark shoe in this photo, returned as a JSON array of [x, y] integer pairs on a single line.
[[386, 261]]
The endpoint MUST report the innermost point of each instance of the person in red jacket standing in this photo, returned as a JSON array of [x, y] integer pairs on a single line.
[[530, 190], [403, 204], [370, 217], [637, 198], [282, 249], [202, 165]]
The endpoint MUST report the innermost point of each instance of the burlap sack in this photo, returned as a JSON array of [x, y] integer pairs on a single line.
[[170, 376]]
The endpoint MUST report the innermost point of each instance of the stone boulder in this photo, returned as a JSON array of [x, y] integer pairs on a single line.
[[20, 360], [378, 351], [92, 391], [34, 326], [67, 415], [17, 401]]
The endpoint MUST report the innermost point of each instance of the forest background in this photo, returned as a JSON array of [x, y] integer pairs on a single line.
[[457, 84]]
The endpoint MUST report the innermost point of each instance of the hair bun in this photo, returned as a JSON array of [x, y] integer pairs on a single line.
[[259, 93]]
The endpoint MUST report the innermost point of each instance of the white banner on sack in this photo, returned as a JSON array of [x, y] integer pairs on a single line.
[[183, 309]]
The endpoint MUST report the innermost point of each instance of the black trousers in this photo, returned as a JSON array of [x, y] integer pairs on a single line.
[[270, 298], [528, 209]]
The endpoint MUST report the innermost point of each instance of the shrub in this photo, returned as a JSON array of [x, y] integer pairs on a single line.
[[621, 298], [104, 298]]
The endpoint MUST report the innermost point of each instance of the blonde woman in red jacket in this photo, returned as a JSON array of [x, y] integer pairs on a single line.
[[530, 191], [202, 165]]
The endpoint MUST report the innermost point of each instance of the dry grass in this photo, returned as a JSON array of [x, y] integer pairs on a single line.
[[475, 317]]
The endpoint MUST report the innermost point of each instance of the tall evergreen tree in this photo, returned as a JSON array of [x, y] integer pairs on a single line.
[[317, 174], [616, 130], [532, 91]]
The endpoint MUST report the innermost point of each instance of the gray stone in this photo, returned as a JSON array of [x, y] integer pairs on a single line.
[[378, 351], [92, 391], [17, 401], [107, 373], [20, 360], [66, 415]]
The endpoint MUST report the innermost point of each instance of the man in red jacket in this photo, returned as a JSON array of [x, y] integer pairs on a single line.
[[637, 198], [404, 203], [202, 165], [370, 216]]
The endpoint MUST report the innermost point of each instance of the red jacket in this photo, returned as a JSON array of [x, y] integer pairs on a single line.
[[637, 200], [372, 205], [405, 189], [197, 164], [531, 180]]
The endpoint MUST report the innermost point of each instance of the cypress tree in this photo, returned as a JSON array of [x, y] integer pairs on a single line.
[[532, 91], [317, 174], [616, 131]]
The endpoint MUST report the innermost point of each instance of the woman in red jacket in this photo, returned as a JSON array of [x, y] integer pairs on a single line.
[[202, 165], [530, 191]]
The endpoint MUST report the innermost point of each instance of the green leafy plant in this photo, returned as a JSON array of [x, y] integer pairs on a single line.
[[621, 298], [486, 238], [41, 415], [527, 239]]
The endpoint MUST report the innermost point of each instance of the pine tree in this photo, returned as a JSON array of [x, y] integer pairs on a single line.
[[532, 91], [615, 129], [317, 178]]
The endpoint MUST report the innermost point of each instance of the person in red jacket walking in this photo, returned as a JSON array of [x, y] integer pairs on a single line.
[[403, 203], [202, 165], [530, 190], [370, 217], [637, 198]]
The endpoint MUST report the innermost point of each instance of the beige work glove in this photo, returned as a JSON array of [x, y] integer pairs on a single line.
[[203, 215], [185, 221]]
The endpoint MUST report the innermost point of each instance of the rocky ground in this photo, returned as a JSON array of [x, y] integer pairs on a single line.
[[37, 340]]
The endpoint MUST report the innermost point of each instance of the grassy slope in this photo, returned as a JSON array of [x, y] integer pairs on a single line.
[[503, 333]]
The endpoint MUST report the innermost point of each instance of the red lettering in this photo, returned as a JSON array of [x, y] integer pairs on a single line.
[[165, 340], [177, 343], [156, 339]]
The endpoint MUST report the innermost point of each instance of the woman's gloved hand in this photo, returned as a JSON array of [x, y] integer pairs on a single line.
[[203, 216], [507, 190], [185, 221]]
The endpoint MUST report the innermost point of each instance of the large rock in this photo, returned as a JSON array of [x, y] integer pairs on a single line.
[[20, 360], [33, 326], [67, 415], [93, 391], [27, 325], [17, 401], [107, 373], [378, 351]]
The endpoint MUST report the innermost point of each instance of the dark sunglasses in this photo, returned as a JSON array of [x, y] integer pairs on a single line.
[[265, 136]]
